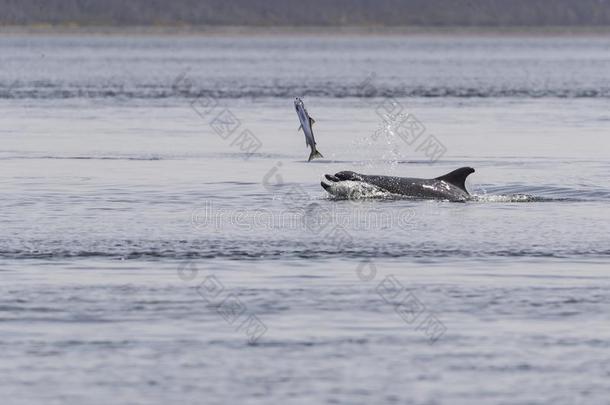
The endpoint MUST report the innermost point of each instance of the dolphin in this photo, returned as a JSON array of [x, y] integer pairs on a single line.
[[306, 126], [450, 186]]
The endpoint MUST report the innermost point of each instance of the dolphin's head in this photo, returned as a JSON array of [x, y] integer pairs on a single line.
[[298, 103], [347, 175]]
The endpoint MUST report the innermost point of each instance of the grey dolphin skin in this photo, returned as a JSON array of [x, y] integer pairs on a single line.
[[450, 187], [306, 126]]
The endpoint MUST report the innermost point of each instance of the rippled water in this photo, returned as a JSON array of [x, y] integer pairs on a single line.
[[131, 226]]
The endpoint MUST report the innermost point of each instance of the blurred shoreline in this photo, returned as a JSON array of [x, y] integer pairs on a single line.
[[211, 30]]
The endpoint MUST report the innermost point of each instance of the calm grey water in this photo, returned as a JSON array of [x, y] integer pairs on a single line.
[[163, 238]]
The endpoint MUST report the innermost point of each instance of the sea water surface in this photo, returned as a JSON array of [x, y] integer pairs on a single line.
[[164, 239]]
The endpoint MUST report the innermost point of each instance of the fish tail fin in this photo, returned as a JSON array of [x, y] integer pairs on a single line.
[[314, 154]]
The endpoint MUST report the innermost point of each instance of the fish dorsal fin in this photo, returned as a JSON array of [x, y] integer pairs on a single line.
[[311, 121], [457, 177]]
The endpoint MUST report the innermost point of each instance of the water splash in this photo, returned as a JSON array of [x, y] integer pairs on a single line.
[[354, 190], [511, 198]]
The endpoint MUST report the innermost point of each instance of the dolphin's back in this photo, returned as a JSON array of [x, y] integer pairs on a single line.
[[450, 186], [418, 188], [457, 177]]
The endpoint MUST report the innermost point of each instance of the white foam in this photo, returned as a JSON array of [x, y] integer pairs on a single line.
[[349, 189], [505, 198]]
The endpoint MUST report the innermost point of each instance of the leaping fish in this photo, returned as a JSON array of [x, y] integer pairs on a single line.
[[306, 126]]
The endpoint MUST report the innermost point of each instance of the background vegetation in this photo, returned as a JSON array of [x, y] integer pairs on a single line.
[[307, 12]]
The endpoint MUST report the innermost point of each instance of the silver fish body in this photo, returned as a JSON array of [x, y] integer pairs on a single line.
[[306, 125]]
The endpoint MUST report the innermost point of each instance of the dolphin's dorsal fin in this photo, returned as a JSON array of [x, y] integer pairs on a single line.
[[457, 177], [311, 121]]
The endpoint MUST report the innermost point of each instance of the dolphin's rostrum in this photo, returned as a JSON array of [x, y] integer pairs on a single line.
[[450, 187]]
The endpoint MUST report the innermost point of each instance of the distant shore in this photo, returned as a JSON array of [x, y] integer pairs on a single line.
[[303, 30]]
